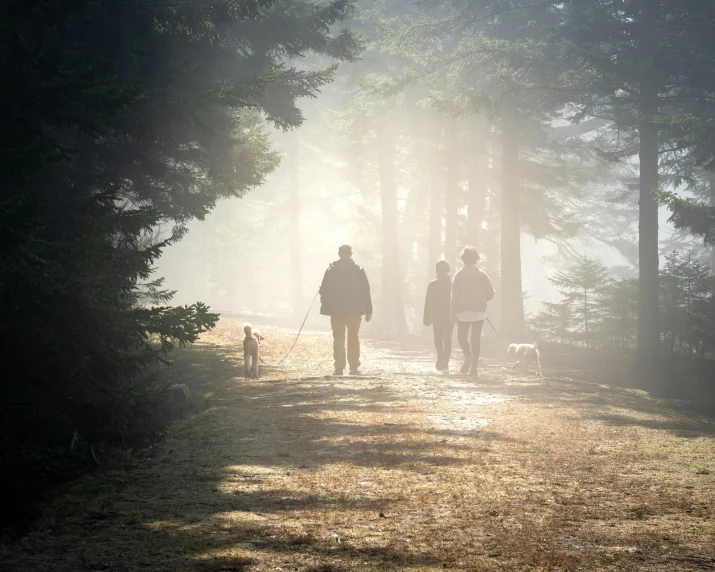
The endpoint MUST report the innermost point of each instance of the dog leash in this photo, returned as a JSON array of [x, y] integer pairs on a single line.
[[493, 328], [296, 338]]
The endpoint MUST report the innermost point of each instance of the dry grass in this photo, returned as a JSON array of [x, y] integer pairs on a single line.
[[399, 470]]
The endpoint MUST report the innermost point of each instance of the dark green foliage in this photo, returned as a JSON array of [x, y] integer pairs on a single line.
[[608, 308], [122, 122], [697, 218], [554, 322], [604, 316], [582, 283], [617, 314], [687, 305]]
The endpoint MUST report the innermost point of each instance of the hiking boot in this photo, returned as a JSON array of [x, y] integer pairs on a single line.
[[439, 366], [354, 372], [445, 370], [338, 372], [464, 370], [474, 371]]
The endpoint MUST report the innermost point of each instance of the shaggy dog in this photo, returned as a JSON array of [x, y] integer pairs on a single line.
[[525, 354], [250, 350]]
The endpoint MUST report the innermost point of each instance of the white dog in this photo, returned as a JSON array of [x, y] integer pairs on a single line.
[[526, 353], [250, 350]]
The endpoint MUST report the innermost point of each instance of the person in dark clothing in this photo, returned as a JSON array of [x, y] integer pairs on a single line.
[[345, 297], [437, 314], [471, 291]]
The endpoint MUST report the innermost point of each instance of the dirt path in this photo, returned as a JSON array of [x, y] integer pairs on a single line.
[[401, 469]]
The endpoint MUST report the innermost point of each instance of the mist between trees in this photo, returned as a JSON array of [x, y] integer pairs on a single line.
[[234, 145]]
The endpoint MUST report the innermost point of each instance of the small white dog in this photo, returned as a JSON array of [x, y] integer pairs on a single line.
[[250, 350], [525, 354]]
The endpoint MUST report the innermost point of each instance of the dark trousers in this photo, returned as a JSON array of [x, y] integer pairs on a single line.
[[443, 340], [463, 338], [339, 324]]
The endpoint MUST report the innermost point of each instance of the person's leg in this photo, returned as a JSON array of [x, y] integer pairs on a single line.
[[338, 325], [448, 329], [246, 360], [463, 339], [254, 360], [476, 344], [353, 324], [439, 344]]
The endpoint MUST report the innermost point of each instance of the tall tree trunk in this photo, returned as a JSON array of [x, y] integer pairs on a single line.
[[296, 263], [392, 314], [648, 306], [673, 320], [435, 219], [585, 317], [451, 197], [409, 230], [477, 198], [711, 186], [419, 251], [512, 302], [410, 241]]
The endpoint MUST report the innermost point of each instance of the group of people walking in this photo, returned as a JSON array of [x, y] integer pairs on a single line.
[[345, 297], [462, 301]]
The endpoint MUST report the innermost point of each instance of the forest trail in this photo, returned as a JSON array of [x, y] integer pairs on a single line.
[[401, 469]]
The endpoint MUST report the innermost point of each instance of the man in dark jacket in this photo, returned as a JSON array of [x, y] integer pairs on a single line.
[[345, 297]]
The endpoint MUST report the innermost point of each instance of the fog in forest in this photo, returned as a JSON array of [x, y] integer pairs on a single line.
[[242, 254], [265, 254]]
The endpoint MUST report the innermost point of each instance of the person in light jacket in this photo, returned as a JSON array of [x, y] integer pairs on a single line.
[[471, 290]]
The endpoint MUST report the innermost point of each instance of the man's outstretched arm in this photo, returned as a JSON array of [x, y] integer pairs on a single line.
[[367, 298], [324, 284], [428, 307]]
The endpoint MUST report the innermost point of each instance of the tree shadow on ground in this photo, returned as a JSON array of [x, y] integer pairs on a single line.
[[616, 406], [246, 430], [229, 489]]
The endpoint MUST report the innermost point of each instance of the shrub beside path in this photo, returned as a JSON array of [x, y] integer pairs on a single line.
[[401, 469]]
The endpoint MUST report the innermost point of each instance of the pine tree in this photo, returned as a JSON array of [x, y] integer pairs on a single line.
[[617, 310], [672, 299], [122, 118], [696, 217], [633, 63], [555, 322], [686, 298], [583, 282]]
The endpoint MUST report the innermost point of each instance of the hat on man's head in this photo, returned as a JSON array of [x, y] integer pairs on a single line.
[[345, 250]]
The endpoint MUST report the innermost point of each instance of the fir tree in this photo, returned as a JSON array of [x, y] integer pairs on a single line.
[[583, 281], [617, 311], [633, 64], [555, 322], [124, 117]]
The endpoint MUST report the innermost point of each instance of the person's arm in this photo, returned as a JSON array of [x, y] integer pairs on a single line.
[[367, 298], [488, 287], [428, 306], [453, 301], [325, 286]]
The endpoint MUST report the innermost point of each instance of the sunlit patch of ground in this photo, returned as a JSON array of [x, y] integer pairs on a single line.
[[402, 469]]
